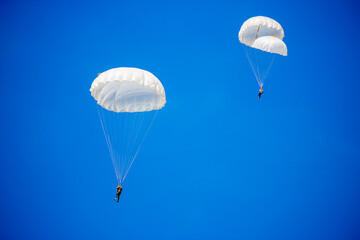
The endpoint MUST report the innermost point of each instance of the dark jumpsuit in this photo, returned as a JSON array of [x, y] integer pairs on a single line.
[[119, 189]]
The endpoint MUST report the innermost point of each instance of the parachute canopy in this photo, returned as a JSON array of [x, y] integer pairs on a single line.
[[256, 27], [270, 44], [128, 90]]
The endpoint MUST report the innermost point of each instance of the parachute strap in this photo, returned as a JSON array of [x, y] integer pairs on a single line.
[[256, 35]]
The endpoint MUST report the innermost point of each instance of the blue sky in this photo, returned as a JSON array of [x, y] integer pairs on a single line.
[[217, 163]]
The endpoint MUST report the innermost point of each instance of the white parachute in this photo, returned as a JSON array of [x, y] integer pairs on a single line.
[[263, 39], [128, 100]]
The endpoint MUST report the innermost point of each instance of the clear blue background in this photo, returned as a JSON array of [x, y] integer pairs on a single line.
[[217, 163]]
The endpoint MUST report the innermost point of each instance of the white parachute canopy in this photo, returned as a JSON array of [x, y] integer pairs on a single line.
[[270, 44], [128, 90], [128, 100], [262, 37], [256, 27]]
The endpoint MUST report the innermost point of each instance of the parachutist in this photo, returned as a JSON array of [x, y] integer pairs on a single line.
[[119, 190], [260, 92]]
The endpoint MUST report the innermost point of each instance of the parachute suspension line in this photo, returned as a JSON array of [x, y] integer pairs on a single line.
[[252, 59], [258, 66], [114, 127], [133, 137], [132, 128], [108, 141], [141, 142], [125, 137], [260, 80], [266, 61], [122, 148], [124, 134], [138, 122], [121, 120], [268, 70], [260, 62]]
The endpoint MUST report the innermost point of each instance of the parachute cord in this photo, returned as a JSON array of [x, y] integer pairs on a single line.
[[125, 136], [124, 155], [113, 124], [127, 153], [118, 133], [139, 122], [139, 146], [130, 139], [253, 60], [128, 136], [260, 79], [247, 52], [118, 120], [268, 70], [108, 141], [116, 123], [260, 62]]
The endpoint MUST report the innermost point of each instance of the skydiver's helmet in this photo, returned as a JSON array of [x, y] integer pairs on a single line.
[[118, 187]]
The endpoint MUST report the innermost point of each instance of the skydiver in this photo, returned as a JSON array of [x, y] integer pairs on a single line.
[[260, 92], [118, 189]]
